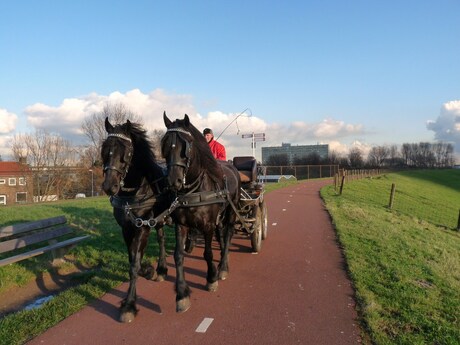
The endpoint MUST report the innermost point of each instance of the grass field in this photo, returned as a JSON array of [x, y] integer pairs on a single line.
[[404, 262]]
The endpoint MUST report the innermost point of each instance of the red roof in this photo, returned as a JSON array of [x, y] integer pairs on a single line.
[[13, 167]]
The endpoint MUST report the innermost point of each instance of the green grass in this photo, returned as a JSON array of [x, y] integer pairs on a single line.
[[404, 262], [105, 254]]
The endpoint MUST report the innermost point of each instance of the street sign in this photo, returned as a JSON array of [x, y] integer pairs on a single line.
[[255, 137]]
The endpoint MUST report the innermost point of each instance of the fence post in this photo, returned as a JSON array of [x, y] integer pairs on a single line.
[[343, 181], [458, 223], [392, 195]]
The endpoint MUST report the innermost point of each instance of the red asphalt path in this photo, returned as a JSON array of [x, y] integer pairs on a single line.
[[295, 291]]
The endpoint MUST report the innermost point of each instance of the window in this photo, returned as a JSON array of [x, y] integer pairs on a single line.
[[2, 199], [21, 197], [22, 181], [12, 181], [2, 181]]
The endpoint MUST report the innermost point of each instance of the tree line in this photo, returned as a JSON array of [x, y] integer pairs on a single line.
[[409, 155], [61, 169]]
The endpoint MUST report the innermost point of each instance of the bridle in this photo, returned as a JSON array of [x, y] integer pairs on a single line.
[[183, 162], [127, 157]]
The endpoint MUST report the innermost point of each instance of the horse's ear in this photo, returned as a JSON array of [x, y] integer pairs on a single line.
[[186, 120], [108, 125], [166, 120], [128, 126]]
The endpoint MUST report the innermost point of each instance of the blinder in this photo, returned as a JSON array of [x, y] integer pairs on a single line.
[[127, 156], [179, 132]]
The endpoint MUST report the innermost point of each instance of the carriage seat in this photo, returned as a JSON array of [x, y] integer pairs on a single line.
[[247, 168]]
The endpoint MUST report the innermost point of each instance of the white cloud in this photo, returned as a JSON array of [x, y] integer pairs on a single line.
[[66, 119], [5, 150], [343, 149], [7, 121], [447, 126]]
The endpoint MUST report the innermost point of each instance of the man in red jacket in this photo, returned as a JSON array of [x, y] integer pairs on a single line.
[[217, 149]]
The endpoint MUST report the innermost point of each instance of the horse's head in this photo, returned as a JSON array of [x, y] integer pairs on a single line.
[[116, 153], [177, 148]]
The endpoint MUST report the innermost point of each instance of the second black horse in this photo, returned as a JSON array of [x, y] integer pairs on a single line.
[[206, 191]]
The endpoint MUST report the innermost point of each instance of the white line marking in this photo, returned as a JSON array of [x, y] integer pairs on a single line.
[[284, 209], [274, 224], [203, 327]]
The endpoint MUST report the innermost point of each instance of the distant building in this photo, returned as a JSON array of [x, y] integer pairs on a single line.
[[296, 151], [15, 183]]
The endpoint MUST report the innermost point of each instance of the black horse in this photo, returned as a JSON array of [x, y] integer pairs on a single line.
[[136, 183], [206, 190]]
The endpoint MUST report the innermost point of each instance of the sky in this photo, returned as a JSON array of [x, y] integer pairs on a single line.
[[343, 73]]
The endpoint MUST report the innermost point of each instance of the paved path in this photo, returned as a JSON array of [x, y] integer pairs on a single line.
[[295, 291]]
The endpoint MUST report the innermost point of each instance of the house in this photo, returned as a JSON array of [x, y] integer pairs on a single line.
[[16, 183]]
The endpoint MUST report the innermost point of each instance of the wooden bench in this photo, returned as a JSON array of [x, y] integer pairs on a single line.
[[43, 234]]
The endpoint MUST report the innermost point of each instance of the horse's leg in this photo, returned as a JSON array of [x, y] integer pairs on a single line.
[[136, 239], [182, 289], [162, 268], [190, 241], [226, 238], [211, 276]]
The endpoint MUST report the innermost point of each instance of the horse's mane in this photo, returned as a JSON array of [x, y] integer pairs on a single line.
[[143, 146], [203, 153]]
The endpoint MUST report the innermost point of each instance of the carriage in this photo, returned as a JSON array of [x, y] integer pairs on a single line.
[[252, 209]]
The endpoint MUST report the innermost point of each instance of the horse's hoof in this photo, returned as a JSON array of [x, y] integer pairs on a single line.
[[183, 305], [160, 278], [147, 272], [212, 287], [223, 275], [127, 317]]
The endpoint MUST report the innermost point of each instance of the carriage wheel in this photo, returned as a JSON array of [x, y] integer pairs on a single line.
[[263, 208], [256, 236]]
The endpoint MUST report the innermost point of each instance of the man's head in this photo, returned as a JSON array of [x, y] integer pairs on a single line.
[[207, 132]]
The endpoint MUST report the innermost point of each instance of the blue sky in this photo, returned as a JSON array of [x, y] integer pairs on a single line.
[[340, 72]]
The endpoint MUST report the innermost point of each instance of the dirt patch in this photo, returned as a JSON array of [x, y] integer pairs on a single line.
[[46, 284]]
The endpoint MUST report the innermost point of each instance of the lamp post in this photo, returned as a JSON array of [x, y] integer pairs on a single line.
[[92, 182]]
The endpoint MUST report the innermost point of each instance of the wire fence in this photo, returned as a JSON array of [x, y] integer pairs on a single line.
[[302, 172], [402, 198]]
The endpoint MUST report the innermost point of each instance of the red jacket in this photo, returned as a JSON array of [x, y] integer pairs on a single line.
[[218, 150]]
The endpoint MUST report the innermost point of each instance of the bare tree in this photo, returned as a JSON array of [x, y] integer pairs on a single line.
[[280, 159], [93, 127], [156, 135], [377, 156], [355, 157], [427, 155], [49, 157]]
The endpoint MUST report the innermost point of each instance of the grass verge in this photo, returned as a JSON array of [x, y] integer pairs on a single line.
[[404, 262]]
